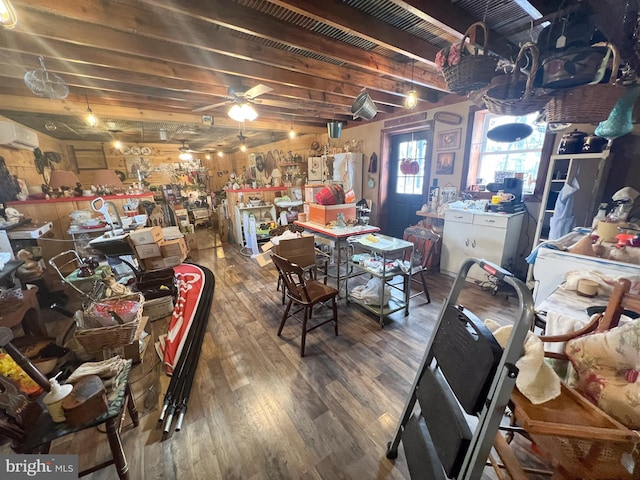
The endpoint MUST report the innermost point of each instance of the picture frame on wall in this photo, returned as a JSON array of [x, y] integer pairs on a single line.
[[449, 139], [444, 164]]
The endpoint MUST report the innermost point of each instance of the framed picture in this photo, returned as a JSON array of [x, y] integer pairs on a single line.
[[444, 165], [449, 139]]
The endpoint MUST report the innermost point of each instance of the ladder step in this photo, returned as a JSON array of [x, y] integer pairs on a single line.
[[445, 420], [422, 458]]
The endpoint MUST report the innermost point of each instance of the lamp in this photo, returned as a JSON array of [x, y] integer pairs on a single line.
[[63, 178], [8, 17], [241, 112], [411, 100], [292, 132], [108, 178], [91, 118]]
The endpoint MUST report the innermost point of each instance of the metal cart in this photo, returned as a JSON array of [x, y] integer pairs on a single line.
[[462, 388]]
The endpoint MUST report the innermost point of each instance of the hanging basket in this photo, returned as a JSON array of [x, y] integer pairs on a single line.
[[587, 103], [472, 72], [515, 94]]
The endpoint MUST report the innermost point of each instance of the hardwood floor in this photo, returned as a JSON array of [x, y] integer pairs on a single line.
[[258, 410]]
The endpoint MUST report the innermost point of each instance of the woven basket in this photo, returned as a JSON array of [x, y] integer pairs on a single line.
[[587, 103], [97, 339], [515, 94], [473, 71]]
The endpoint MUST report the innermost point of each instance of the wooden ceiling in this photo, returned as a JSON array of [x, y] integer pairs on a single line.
[[144, 66]]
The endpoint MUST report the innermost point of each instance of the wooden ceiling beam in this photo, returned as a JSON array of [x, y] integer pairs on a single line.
[[453, 21], [252, 22], [39, 24], [79, 108], [343, 17]]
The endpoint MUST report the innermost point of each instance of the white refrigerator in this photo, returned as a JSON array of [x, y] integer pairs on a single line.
[[347, 170]]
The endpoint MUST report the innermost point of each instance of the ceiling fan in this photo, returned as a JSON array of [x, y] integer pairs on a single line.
[[239, 97], [186, 149]]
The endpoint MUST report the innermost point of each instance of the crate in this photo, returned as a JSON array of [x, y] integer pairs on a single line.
[[323, 214]]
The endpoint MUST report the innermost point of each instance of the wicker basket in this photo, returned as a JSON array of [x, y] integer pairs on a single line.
[[515, 94], [472, 71], [587, 103], [95, 340]]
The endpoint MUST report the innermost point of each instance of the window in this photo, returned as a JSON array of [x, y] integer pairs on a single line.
[[493, 161], [411, 165]]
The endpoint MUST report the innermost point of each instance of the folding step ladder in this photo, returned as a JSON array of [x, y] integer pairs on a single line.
[[462, 388]]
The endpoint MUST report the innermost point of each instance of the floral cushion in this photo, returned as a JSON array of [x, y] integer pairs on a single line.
[[607, 366]]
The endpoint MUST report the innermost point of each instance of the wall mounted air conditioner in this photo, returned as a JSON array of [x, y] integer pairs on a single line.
[[16, 136]]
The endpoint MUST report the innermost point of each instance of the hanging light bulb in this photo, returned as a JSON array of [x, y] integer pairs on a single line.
[[411, 100], [117, 144], [292, 132], [8, 17], [208, 156], [243, 147], [220, 153], [91, 118]]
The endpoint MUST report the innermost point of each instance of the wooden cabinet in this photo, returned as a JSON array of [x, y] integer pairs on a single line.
[[589, 169], [489, 236]]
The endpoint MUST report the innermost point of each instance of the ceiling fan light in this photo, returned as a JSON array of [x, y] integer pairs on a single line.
[[411, 100], [8, 17], [249, 112], [235, 113], [185, 156]]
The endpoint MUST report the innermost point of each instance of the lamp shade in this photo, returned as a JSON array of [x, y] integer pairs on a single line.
[[63, 178], [107, 177]]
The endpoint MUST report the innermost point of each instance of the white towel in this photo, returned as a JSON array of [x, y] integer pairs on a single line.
[[536, 380]]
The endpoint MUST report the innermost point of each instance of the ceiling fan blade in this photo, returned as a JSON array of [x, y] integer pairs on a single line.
[[256, 91], [210, 107]]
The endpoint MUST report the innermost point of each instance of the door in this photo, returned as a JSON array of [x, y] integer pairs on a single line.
[[409, 170]]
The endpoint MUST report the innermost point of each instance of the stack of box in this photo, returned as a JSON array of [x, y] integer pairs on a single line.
[[154, 251]]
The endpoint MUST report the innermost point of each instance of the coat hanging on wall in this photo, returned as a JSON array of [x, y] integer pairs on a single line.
[[373, 163]]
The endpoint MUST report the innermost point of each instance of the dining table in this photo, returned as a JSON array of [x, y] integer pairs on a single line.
[[336, 238]]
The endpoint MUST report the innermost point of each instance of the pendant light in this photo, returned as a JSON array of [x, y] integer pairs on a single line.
[[91, 118], [411, 100], [292, 132]]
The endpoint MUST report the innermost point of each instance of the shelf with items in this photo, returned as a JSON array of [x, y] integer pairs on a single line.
[[265, 215], [382, 258], [590, 171]]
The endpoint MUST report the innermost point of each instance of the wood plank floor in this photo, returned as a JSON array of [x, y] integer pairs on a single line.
[[258, 410]]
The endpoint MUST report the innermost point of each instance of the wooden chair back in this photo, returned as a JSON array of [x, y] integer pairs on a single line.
[[293, 278], [425, 243]]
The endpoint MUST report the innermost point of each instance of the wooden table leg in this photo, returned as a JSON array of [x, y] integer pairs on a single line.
[[119, 460]]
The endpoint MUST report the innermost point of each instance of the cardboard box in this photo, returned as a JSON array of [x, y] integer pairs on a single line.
[[310, 192], [171, 233], [148, 250], [323, 214], [146, 235], [297, 250], [172, 248], [192, 241], [157, 263]]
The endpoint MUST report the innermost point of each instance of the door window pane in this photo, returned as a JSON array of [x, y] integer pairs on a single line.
[[410, 167]]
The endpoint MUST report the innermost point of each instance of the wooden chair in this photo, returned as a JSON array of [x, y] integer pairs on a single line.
[[305, 293], [311, 266], [425, 243], [582, 440]]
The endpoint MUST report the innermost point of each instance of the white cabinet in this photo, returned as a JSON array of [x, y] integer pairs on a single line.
[[589, 169], [489, 236]]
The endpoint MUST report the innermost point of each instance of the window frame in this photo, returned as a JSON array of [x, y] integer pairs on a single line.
[[472, 156]]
